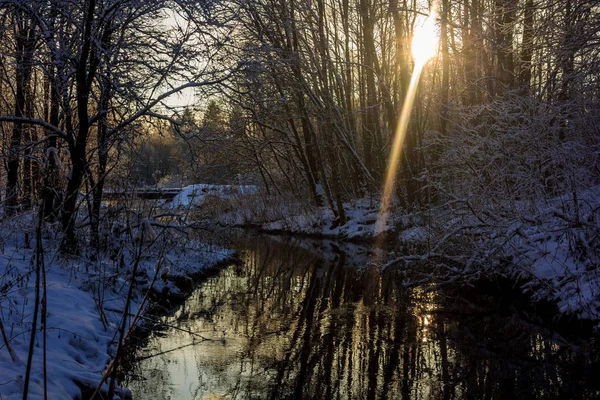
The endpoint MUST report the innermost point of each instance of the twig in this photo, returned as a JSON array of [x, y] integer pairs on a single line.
[[170, 326], [167, 351], [12, 353], [113, 363], [38, 261]]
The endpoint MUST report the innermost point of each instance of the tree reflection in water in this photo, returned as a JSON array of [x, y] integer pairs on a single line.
[[296, 326]]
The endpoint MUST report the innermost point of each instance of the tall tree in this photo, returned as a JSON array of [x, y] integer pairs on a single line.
[[25, 37], [506, 12]]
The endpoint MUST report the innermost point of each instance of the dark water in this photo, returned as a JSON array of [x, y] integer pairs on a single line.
[[287, 324]]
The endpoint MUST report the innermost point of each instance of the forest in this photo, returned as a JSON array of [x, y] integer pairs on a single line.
[[458, 139]]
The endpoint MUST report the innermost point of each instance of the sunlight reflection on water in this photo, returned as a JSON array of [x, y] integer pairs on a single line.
[[286, 324]]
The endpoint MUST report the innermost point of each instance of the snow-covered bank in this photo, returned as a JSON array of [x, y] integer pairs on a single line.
[[272, 214], [552, 245], [196, 195], [560, 249], [85, 304], [361, 215], [245, 205]]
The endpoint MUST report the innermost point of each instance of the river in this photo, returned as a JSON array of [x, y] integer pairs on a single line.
[[292, 321]]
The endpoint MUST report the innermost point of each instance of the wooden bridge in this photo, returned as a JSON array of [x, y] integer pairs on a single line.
[[142, 193]]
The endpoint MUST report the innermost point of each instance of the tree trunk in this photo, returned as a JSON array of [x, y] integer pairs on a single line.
[[469, 53], [445, 89], [371, 129], [29, 137], [506, 11], [24, 46], [311, 149], [85, 74], [527, 48], [51, 190], [78, 165], [568, 51], [407, 192], [102, 143]]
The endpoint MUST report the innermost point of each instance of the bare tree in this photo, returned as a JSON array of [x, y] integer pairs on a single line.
[[109, 64]]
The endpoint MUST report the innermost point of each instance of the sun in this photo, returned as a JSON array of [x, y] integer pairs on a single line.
[[425, 41]]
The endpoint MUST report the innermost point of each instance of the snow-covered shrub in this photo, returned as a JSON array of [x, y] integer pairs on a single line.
[[260, 208], [517, 189], [145, 233], [517, 151]]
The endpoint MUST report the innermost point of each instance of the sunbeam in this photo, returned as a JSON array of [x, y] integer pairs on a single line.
[[424, 46]]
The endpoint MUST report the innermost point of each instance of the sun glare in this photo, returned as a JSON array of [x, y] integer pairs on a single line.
[[425, 40], [424, 46]]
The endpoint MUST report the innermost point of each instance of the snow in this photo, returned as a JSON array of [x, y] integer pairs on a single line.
[[85, 302], [145, 233], [275, 214], [195, 195], [415, 234], [559, 251]]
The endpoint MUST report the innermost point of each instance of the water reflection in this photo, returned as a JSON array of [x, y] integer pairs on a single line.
[[286, 324]]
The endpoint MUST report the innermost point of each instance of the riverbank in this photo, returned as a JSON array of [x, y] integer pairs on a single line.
[[276, 216], [78, 331], [552, 246]]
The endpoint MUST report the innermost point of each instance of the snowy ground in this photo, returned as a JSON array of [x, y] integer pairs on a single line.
[[233, 205], [559, 249], [85, 303], [272, 214], [362, 217], [195, 195]]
